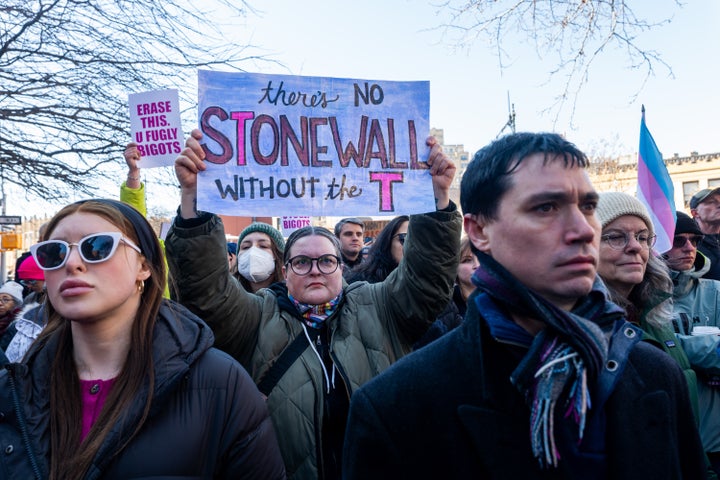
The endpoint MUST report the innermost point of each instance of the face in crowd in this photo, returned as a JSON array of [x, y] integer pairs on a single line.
[[545, 232], [625, 247], [708, 211], [397, 247], [467, 266], [313, 271], [105, 289], [681, 256], [7, 304], [351, 239], [256, 239]]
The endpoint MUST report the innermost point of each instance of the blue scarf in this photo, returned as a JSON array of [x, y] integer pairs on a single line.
[[563, 361]]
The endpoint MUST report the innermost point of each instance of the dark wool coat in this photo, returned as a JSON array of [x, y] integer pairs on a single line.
[[207, 419], [449, 411]]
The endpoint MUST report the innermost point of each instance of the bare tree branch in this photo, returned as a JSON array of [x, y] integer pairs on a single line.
[[574, 33], [67, 66]]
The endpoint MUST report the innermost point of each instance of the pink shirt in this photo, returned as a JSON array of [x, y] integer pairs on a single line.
[[93, 394]]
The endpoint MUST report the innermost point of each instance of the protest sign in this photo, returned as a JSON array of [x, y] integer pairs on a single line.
[[155, 126], [290, 224], [313, 145]]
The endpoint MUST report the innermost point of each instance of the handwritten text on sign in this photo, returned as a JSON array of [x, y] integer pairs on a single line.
[[313, 145]]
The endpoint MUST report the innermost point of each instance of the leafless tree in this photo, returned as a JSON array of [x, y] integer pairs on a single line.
[[573, 33], [67, 67]]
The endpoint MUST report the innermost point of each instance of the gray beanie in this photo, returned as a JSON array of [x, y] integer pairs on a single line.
[[613, 205], [268, 230], [15, 290]]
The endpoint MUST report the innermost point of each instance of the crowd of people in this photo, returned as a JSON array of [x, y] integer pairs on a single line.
[[550, 341]]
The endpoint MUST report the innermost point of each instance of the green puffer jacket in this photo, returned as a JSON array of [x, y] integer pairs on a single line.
[[375, 325]]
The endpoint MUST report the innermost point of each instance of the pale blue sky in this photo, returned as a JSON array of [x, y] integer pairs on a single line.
[[395, 40], [398, 40]]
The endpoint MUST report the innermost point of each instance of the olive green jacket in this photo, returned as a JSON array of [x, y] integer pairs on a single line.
[[375, 325]]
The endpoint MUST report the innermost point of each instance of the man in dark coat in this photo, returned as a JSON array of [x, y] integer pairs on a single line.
[[544, 379]]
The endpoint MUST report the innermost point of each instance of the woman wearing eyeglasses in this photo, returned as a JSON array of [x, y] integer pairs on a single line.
[[311, 342], [636, 278], [121, 383], [11, 300]]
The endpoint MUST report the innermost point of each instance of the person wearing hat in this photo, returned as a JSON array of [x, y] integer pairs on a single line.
[[11, 300], [705, 209], [696, 317], [259, 261], [32, 277], [637, 279], [30, 321]]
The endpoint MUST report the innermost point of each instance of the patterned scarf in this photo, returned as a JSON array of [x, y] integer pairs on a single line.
[[563, 361], [314, 315]]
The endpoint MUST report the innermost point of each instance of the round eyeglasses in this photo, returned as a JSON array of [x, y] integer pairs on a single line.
[[620, 240], [302, 264]]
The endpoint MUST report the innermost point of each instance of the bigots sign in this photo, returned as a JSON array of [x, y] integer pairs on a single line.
[[313, 145], [155, 126]]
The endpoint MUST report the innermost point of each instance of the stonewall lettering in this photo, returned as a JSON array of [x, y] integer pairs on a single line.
[[376, 141]]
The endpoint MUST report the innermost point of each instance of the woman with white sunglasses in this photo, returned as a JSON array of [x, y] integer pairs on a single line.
[[122, 383]]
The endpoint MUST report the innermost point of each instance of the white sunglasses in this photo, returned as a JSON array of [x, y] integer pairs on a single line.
[[95, 248]]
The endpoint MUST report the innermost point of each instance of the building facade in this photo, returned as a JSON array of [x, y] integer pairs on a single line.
[[689, 174]]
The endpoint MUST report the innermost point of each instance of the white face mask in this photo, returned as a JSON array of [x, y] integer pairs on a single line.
[[255, 264]]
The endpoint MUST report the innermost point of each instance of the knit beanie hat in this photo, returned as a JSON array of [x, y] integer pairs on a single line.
[[613, 205], [29, 270], [268, 230], [15, 290], [686, 224]]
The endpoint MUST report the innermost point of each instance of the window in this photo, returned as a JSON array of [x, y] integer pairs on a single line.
[[689, 189]]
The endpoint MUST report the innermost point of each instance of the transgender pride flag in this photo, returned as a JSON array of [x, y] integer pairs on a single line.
[[655, 189]]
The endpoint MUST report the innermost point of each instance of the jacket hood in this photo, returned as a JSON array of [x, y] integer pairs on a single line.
[[683, 282]]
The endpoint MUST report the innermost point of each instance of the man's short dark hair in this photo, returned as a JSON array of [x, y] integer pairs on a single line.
[[487, 178], [355, 220]]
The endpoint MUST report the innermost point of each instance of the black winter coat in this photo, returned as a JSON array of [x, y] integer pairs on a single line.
[[449, 411], [207, 419]]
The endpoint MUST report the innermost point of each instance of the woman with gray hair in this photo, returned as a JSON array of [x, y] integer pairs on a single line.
[[636, 278]]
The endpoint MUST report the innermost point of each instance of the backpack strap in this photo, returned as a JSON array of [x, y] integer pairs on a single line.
[[278, 369]]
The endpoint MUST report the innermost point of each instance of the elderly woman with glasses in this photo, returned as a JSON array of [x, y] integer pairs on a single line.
[[639, 281], [122, 383], [636, 278], [311, 342]]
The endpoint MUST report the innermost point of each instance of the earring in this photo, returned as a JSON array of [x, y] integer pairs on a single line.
[[141, 286]]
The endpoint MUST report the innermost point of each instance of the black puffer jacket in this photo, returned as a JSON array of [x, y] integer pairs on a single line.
[[207, 419]]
